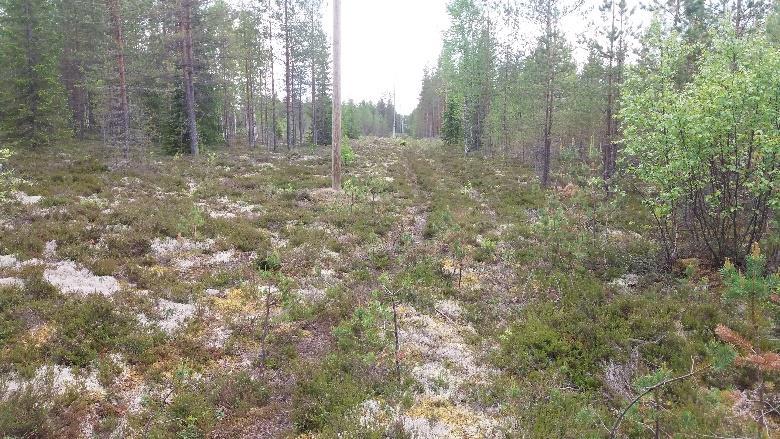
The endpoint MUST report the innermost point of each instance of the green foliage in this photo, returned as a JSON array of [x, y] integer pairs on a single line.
[[238, 233], [325, 394], [752, 288], [348, 122], [38, 411], [87, 328], [752, 284], [564, 414], [485, 251], [272, 262], [365, 331], [532, 345], [709, 147], [33, 110], [721, 355], [451, 131], [190, 221], [645, 382], [467, 66], [368, 119], [378, 186], [347, 153], [7, 180], [773, 25], [196, 406], [438, 222]]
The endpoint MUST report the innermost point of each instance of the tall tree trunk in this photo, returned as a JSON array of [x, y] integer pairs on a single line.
[[313, 84], [547, 147], [313, 105], [505, 113], [227, 102], [31, 60], [187, 66], [73, 63], [548, 119], [336, 154], [608, 146], [550, 95], [119, 41], [288, 75], [263, 113], [273, 88], [250, 102], [300, 110]]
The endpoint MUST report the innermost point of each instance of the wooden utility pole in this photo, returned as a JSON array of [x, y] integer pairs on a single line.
[[336, 158], [119, 41], [187, 66]]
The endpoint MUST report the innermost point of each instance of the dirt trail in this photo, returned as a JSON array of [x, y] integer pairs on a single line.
[[436, 353]]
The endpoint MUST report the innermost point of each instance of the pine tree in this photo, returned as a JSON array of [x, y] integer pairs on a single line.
[[85, 46], [753, 288], [553, 60], [251, 60], [115, 17], [612, 47], [451, 131], [467, 66], [188, 73], [32, 100]]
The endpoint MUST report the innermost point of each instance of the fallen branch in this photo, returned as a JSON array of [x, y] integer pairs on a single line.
[[652, 388]]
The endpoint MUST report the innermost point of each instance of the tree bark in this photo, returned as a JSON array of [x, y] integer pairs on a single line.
[[549, 97], [31, 61], [119, 41], [273, 88], [250, 102], [288, 75], [336, 155], [263, 113], [313, 79], [608, 145], [300, 110], [313, 104], [188, 68]]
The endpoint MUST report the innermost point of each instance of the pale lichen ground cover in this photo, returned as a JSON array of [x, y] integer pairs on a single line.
[[179, 329]]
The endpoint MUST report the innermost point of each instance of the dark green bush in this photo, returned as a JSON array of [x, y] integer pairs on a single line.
[[87, 327], [325, 393]]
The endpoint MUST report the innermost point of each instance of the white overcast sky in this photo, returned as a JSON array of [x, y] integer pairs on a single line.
[[389, 43]]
